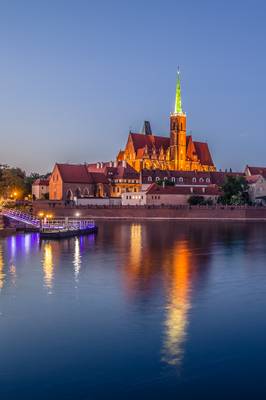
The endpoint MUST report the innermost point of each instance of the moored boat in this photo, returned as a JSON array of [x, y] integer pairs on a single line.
[[60, 229]]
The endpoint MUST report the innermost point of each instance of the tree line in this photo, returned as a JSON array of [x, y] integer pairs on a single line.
[[15, 183]]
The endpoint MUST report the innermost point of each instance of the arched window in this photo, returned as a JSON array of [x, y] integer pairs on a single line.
[[157, 178], [194, 180], [69, 194], [208, 180], [173, 179], [201, 180], [149, 179], [181, 180], [165, 178]]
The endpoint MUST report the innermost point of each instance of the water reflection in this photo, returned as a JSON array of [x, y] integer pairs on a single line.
[[178, 284], [77, 259], [2, 275], [48, 265]]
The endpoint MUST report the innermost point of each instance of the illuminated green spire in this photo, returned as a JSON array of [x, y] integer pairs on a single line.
[[178, 101]]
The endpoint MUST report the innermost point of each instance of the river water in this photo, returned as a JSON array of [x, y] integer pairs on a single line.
[[146, 310]]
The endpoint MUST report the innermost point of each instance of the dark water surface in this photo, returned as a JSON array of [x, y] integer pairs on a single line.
[[163, 310]]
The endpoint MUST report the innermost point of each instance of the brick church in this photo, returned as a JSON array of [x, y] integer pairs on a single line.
[[179, 152]]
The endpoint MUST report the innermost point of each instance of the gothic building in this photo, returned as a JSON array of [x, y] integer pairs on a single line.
[[177, 152]]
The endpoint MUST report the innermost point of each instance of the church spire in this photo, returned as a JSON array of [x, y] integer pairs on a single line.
[[178, 101]]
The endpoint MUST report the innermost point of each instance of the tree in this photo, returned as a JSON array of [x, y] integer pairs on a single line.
[[235, 191], [12, 182], [165, 182], [199, 201]]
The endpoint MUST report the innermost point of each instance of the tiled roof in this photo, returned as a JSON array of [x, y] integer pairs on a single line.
[[257, 171], [203, 153], [252, 178], [41, 182], [99, 177], [181, 177], [140, 141], [218, 177], [74, 173]]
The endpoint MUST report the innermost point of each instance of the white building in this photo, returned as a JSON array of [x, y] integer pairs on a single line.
[[40, 189]]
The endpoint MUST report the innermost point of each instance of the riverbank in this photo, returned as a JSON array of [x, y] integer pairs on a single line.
[[155, 213]]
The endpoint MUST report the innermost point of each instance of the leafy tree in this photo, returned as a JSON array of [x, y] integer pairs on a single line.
[[199, 201], [235, 191], [12, 180], [165, 182]]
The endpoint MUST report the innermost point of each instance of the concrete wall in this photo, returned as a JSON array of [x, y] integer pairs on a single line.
[[99, 201], [181, 212]]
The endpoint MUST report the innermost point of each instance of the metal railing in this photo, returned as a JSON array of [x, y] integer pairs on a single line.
[[21, 217], [48, 224]]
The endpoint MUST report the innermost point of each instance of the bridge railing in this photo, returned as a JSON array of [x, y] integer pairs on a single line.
[[48, 224], [21, 216]]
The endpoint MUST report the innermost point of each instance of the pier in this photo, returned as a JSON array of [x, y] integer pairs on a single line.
[[48, 226]]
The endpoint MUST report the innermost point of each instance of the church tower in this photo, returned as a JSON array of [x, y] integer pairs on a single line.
[[178, 131]]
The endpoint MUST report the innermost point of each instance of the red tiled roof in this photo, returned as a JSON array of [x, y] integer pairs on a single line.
[[41, 182], [201, 178], [99, 177], [252, 178], [203, 153], [140, 141], [257, 171], [74, 173], [218, 177]]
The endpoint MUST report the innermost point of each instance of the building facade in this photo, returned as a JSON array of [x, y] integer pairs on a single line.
[[176, 152], [256, 179], [40, 189]]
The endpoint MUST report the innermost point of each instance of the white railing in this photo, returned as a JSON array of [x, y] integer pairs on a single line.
[[48, 224], [21, 217]]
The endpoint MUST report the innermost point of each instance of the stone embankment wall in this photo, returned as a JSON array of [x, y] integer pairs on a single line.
[[132, 213]]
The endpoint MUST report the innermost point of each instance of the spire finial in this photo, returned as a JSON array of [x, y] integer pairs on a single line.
[[178, 101]]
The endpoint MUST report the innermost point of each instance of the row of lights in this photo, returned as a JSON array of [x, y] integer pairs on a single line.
[[49, 216]]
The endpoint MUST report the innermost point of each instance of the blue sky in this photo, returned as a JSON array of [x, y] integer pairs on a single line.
[[76, 75]]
